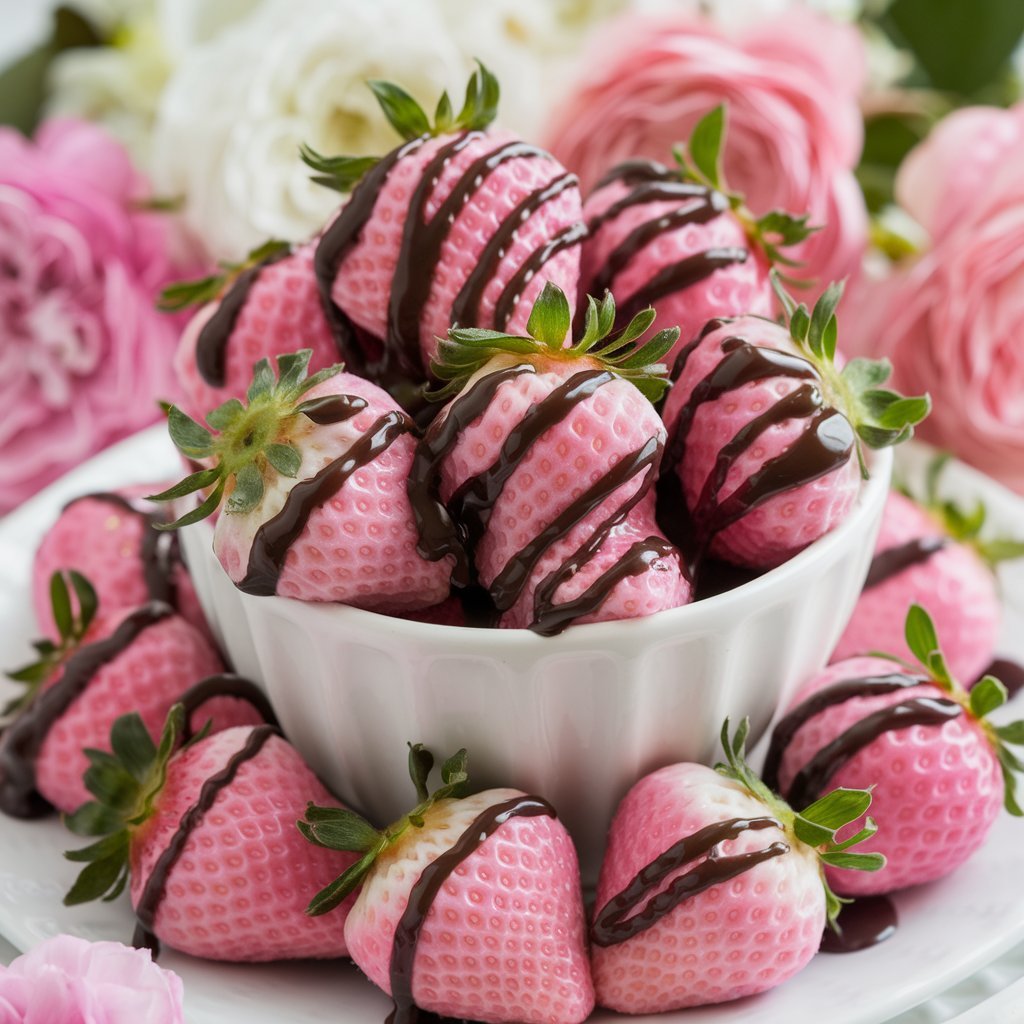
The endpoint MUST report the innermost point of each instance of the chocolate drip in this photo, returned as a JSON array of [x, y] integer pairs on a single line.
[[660, 191], [864, 923], [273, 539], [806, 787], [226, 685], [466, 307], [631, 172], [21, 741], [438, 534], [336, 243], [428, 885], [616, 923], [678, 276], [699, 211], [567, 238], [153, 891], [333, 408], [892, 561], [509, 584], [159, 552], [422, 240], [829, 696], [549, 618], [1009, 673], [824, 444], [212, 343]]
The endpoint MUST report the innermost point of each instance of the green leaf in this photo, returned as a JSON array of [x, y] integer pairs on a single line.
[[480, 106], [404, 114], [987, 695], [292, 370], [824, 314], [191, 439], [838, 808], [285, 459], [334, 894], [335, 828], [550, 318], [248, 492], [110, 781], [800, 324], [133, 746], [96, 880], [225, 414], [705, 146], [183, 294], [60, 602], [1012, 732], [193, 482], [199, 513], [87, 598], [455, 771], [919, 631], [340, 173], [421, 763], [262, 385], [93, 819], [443, 115], [856, 861], [1001, 549]]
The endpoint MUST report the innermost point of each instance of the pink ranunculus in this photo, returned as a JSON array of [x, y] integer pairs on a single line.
[[67, 980], [84, 354], [952, 322], [794, 132]]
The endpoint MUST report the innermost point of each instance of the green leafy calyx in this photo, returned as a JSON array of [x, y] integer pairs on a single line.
[[72, 619], [700, 160], [468, 349], [408, 118], [180, 296], [125, 783], [337, 829], [253, 441], [983, 698], [817, 825]]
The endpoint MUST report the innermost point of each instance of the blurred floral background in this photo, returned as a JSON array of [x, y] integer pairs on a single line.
[[143, 140]]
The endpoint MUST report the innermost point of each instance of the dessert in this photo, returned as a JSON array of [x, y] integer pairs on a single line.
[[712, 888], [940, 771], [932, 553], [468, 907], [204, 837]]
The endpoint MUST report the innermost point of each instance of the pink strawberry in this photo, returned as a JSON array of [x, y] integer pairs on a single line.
[[457, 225], [207, 838], [140, 659], [931, 554], [469, 908], [254, 310], [545, 461], [712, 888], [940, 770], [764, 451], [314, 471], [108, 537]]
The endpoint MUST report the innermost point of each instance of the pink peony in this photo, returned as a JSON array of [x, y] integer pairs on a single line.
[[952, 322], [67, 980], [794, 133], [84, 354]]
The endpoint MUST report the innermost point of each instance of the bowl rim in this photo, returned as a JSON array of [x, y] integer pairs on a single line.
[[620, 634]]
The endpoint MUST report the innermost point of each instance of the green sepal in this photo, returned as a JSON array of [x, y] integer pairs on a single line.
[[986, 695], [183, 294], [337, 829], [404, 114], [467, 350], [340, 173], [252, 440]]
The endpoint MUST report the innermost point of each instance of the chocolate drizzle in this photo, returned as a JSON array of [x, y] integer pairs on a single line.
[[824, 444], [333, 408], [428, 885], [892, 561], [212, 343], [616, 921], [225, 685], [156, 884], [273, 539], [864, 923], [22, 740]]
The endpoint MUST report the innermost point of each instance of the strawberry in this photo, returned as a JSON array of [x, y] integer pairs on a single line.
[[103, 665], [314, 472], [712, 888], [108, 537], [932, 553], [469, 908], [939, 768], [764, 453], [457, 225], [544, 464], [677, 239], [206, 836], [250, 311]]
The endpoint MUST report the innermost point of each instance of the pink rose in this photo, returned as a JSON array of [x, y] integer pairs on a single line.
[[795, 130], [67, 980], [952, 322], [84, 354]]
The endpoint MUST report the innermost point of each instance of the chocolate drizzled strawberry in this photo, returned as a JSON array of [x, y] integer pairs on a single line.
[[458, 225], [940, 770], [537, 477], [313, 471], [764, 452]]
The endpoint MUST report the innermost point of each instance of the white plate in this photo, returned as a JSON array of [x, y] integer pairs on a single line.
[[948, 931]]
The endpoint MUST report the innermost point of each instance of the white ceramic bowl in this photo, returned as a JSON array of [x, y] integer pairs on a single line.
[[577, 717]]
